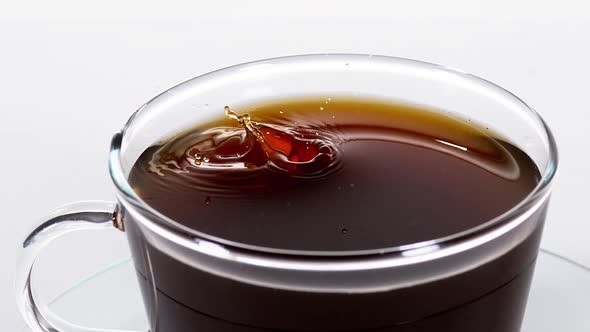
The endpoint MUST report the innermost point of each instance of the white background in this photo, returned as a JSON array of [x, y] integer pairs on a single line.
[[71, 73]]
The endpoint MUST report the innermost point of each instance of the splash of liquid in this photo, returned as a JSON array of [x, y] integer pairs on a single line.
[[287, 149], [297, 152]]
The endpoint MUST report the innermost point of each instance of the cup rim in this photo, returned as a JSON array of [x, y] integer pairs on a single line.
[[539, 193]]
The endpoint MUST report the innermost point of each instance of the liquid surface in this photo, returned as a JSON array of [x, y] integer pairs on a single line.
[[333, 174]]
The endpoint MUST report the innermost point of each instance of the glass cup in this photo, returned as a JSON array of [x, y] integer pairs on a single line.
[[475, 280]]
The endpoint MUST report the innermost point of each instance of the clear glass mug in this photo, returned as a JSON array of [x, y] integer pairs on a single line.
[[194, 281]]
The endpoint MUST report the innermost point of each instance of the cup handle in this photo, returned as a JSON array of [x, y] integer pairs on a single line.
[[73, 217]]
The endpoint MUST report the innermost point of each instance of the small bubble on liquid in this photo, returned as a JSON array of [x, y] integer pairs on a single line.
[[207, 201], [333, 116], [281, 112], [321, 108], [206, 159], [351, 185], [344, 231], [198, 159]]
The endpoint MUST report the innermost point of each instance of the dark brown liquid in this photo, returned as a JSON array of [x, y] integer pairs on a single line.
[[333, 175], [398, 175]]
